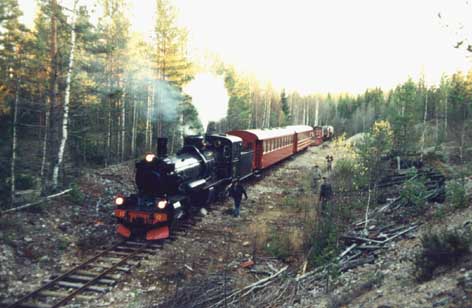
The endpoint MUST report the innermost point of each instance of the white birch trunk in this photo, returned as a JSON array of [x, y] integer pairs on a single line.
[[13, 143], [317, 112], [65, 121]]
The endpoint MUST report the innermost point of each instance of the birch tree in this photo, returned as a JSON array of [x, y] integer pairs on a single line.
[[65, 117]]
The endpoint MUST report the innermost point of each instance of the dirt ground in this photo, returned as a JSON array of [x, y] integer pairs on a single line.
[[55, 236], [281, 208]]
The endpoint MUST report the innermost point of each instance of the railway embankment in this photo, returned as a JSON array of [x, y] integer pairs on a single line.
[[276, 254]]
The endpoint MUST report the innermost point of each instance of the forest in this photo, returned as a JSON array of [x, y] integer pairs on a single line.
[[76, 95]]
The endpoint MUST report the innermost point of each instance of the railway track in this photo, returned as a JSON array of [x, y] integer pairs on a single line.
[[91, 278]]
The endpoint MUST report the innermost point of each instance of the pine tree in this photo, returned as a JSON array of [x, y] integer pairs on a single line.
[[285, 108]]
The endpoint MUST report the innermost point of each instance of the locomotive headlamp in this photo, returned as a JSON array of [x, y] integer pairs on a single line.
[[162, 204], [119, 201], [149, 157]]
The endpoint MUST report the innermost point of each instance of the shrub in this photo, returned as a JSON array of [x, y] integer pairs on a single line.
[[324, 242], [278, 245], [415, 191], [455, 194], [76, 195], [347, 175], [443, 248]]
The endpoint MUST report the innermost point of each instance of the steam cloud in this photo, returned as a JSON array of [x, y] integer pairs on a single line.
[[209, 96]]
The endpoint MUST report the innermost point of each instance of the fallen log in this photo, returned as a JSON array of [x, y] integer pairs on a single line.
[[250, 288], [36, 202]]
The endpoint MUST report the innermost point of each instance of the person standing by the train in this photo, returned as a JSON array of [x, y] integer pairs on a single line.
[[329, 163], [316, 178], [236, 192], [326, 191]]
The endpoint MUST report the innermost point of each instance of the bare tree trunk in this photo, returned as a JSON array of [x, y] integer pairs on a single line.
[[461, 148], [424, 125], [317, 111], [148, 119], [45, 145], [269, 107], [445, 115], [437, 125], [123, 124], [13, 144], [51, 100], [65, 121], [304, 113], [108, 145], [133, 131]]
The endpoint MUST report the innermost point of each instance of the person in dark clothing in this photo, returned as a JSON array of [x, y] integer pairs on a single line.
[[236, 192], [329, 163], [326, 192], [316, 178]]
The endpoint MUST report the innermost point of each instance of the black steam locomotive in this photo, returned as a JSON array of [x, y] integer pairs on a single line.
[[168, 185]]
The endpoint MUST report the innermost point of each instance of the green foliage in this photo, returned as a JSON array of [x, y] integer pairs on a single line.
[[324, 241], [278, 244], [285, 108], [348, 175], [239, 108], [414, 191], [171, 61], [76, 195], [443, 248], [62, 244], [403, 116], [372, 148], [456, 194]]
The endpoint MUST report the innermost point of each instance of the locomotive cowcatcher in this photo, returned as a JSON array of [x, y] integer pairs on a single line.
[[167, 186]]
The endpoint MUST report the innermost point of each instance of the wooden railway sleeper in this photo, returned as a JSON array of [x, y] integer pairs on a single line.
[[83, 278], [47, 293], [77, 285]]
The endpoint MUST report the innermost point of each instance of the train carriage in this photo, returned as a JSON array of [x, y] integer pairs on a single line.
[[318, 135], [304, 135], [269, 146]]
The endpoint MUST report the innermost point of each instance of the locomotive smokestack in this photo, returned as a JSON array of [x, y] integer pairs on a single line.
[[161, 147]]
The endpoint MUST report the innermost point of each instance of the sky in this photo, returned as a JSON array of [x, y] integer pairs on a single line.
[[321, 46]]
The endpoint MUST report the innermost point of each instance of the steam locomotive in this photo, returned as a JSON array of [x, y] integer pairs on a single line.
[[169, 186]]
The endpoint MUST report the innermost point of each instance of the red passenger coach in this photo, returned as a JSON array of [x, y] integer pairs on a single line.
[[318, 138], [303, 137], [273, 145], [269, 146]]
